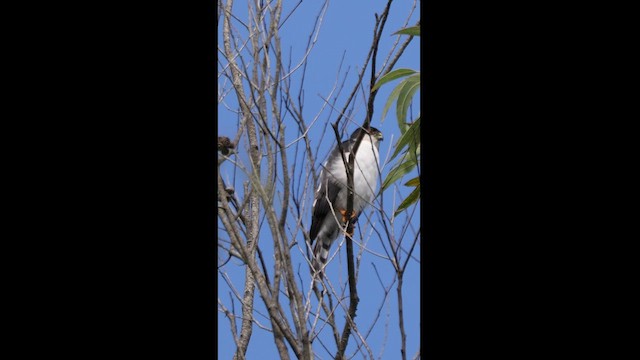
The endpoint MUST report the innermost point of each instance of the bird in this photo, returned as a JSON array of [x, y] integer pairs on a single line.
[[330, 201]]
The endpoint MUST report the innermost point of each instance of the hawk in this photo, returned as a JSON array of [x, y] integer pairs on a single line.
[[330, 204]]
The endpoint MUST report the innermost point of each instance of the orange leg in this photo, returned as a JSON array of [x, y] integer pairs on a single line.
[[345, 216]]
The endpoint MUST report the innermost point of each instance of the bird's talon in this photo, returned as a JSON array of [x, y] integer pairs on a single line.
[[344, 215]]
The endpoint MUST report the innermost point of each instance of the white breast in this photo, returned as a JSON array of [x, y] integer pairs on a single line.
[[365, 178], [365, 174]]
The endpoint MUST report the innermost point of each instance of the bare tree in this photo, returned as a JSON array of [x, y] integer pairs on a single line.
[[267, 175]]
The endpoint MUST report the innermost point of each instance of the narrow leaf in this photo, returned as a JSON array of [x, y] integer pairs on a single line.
[[414, 146], [413, 31], [408, 201], [392, 75], [409, 88], [399, 171], [393, 96], [412, 135], [413, 182]]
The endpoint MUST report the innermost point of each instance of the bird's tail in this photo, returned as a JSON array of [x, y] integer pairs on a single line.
[[320, 254]]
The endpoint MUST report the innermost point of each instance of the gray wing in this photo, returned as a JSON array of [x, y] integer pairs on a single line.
[[327, 192], [326, 195]]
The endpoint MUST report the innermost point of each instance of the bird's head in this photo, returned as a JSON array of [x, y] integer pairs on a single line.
[[376, 135]]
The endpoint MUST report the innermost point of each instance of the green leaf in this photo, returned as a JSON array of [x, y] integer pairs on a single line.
[[392, 75], [413, 182], [413, 31], [411, 136], [409, 88], [394, 95], [414, 146], [399, 171], [408, 201]]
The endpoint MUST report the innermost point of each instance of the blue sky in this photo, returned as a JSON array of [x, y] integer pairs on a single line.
[[346, 30]]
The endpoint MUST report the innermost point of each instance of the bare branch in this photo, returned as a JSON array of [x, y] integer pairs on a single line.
[[272, 174]]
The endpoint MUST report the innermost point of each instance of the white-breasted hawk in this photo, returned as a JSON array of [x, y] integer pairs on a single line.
[[330, 204]]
